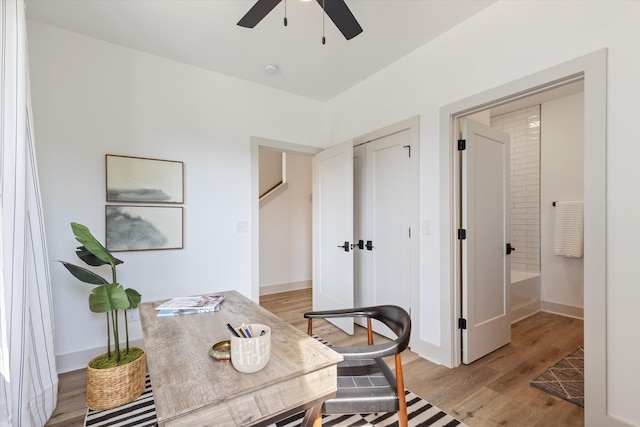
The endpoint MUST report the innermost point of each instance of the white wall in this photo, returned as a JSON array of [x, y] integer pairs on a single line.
[[562, 167], [476, 56], [285, 231], [91, 98], [523, 127]]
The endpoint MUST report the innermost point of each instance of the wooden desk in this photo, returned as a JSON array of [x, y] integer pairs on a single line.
[[191, 389]]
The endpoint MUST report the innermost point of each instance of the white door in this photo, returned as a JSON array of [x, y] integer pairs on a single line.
[[485, 264], [333, 230], [382, 223]]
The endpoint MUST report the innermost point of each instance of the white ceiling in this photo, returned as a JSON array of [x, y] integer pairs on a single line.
[[204, 33]]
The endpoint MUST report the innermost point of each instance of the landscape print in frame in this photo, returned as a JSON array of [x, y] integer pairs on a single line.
[[142, 180], [143, 228]]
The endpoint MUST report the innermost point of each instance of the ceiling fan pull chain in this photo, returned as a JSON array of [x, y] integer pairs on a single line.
[[324, 41], [285, 13]]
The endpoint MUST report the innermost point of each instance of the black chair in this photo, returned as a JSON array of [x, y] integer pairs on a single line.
[[365, 382]]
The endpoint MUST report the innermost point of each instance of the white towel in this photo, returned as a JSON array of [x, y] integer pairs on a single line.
[[569, 229]]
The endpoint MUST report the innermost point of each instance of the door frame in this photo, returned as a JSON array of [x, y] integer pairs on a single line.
[[593, 69], [256, 144]]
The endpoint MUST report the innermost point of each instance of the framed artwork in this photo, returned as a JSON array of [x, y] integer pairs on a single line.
[[143, 228], [141, 180]]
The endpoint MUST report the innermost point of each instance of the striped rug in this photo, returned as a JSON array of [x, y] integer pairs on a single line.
[[420, 413], [139, 413], [142, 412]]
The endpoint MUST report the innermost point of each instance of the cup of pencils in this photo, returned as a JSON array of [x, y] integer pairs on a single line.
[[250, 347]]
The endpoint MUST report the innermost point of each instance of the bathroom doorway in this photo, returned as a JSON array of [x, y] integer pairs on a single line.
[[546, 165]]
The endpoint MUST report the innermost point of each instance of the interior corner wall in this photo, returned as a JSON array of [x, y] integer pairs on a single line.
[[285, 230], [561, 179], [485, 52], [91, 98]]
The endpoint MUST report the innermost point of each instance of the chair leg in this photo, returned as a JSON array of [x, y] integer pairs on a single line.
[[310, 327], [369, 331], [403, 420], [318, 421]]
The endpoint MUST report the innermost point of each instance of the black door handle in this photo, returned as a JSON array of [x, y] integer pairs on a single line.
[[369, 245], [510, 248], [359, 245], [345, 246]]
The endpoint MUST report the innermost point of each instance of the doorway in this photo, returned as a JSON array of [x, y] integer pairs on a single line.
[[409, 130], [333, 281], [592, 68], [542, 170], [258, 143]]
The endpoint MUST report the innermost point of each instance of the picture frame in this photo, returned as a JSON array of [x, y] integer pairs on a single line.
[[144, 180], [143, 228]]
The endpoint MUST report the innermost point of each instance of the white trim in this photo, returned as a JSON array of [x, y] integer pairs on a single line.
[[562, 309], [593, 68], [285, 287]]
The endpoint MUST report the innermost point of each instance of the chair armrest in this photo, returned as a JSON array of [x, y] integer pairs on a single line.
[[347, 312], [392, 316]]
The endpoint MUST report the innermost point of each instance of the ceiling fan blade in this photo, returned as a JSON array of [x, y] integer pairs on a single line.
[[342, 17], [257, 12]]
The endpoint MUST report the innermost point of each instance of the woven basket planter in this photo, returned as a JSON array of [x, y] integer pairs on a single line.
[[113, 387]]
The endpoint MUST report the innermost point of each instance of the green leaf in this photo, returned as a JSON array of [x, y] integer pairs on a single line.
[[107, 298], [90, 243], [134, 297], [91, 259], [84, 275]]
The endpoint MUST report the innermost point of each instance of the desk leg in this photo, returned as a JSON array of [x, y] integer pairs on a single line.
[[312, 417]]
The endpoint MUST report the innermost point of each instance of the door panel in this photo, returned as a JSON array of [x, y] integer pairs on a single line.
[[485, 266], [386, 269], [332, 227]]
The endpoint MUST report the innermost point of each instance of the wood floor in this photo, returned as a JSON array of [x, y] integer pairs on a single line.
[[493, 391]]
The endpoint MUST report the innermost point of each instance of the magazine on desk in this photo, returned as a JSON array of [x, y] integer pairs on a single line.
[[190, 305]]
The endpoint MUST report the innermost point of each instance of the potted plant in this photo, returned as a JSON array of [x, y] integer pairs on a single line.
[[117, 376]]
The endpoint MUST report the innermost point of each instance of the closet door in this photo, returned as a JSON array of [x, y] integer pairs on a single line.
[[384, 262]]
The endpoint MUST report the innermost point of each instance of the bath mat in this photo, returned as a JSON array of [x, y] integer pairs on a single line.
[[565, 379]]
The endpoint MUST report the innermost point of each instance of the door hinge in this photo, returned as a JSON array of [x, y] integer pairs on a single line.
[[462, 323], [462, 234], [409, 232], [462, 144], [409, 147]]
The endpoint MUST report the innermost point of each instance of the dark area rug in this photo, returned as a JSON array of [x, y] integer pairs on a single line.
[[565, 379]]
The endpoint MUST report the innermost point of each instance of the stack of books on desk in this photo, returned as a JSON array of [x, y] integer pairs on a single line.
[[190, 305]]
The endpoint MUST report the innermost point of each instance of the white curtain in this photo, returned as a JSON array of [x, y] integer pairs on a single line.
[[28, 377]]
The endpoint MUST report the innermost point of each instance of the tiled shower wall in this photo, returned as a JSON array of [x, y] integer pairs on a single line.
[[524, 128]]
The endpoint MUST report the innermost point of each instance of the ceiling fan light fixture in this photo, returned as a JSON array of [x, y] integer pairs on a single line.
[[337, 10]]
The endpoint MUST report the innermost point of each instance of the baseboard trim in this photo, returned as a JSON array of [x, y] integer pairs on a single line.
[[79, 359], [284, 287], [562, 309]]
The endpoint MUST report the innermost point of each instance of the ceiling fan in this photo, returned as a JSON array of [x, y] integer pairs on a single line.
[[337, 10]]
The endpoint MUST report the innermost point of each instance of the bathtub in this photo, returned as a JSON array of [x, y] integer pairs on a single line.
[[525, 294]]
